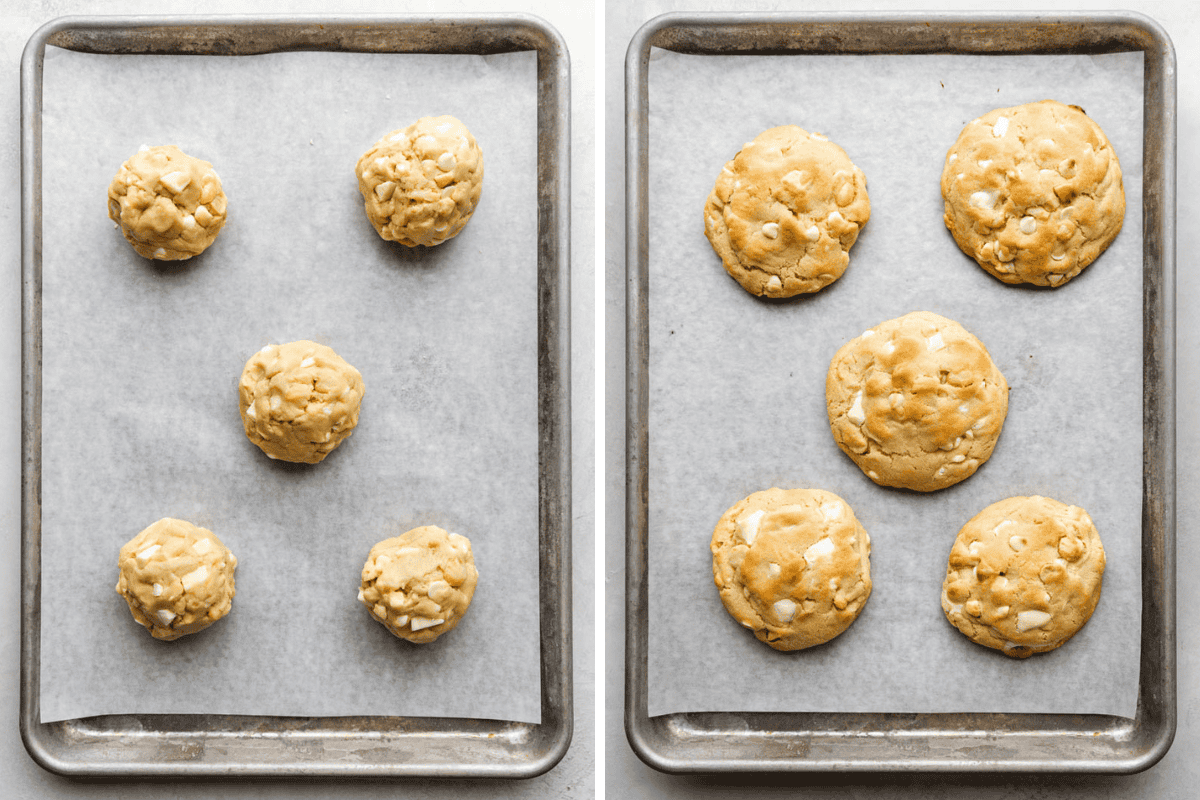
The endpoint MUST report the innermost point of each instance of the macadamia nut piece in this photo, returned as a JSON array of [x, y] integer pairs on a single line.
[[169, 205], [421, 184], [419, 584], [299, 400], [177, 578]]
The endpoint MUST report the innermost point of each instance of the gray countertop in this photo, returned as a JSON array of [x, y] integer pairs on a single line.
[[625, 774]]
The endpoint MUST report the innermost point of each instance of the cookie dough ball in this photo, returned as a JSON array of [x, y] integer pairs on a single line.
[[1024, 575], [785, 212], [177, 578], [916, 402], [792, 565], [299, 400], [169, 205], [421, 184], [1033, 193], [419, 584]]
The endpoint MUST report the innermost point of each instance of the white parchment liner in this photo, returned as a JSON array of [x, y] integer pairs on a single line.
[[141, 362], [737, 385]]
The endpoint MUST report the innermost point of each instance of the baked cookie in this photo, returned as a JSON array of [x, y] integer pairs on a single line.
[[169, 205], [792, 565], [419, 584], [177, 578], [1024, 575], [785, 212], [916, 402], [421, 184], [1033, 193], [299, 400]]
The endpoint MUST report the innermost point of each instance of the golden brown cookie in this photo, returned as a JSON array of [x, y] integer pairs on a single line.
[[916, 402], [1033, 193], [177, 578], [1024, 575], [785, 212], [169, 205], [792, 565], [421, 184], [299, 400], [419, 584]]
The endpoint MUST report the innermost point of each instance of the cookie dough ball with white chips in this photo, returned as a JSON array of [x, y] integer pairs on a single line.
[[793, 566], [916, 402], [419, 584], [421, 184], [176, 577], [1033, 193], [1024, 575], [299, 400], [169, 205], [785, 212]]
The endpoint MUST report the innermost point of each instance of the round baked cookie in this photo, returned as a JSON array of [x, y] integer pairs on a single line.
[[421, 184], [177, 578], [1024, 575], [1033, 193], [916, 402], [419, 584], [169, 205], [792, 565], [785, 212], [299, 400]]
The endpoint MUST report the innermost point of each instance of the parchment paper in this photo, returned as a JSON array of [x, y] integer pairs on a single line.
[[737, 386], [141, 362]]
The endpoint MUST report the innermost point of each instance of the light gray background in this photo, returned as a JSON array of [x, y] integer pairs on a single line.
[[573, 777], [625, 775]]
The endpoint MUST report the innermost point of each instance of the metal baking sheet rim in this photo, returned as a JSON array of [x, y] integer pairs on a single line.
[[342, 747], [881, 742]]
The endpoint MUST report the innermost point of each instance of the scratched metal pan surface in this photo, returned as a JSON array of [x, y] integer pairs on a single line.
[[798, 742], [342, 747]]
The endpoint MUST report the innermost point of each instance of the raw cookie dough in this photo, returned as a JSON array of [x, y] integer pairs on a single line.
[[169, 205], [792, 565], [1033, 193], [177, 578], [420, 583], [785, 212], [1024, 575], [299, 400], [916, 402], [421, 184]]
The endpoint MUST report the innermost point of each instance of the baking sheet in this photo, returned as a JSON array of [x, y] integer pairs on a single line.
[[736, 400], [141, 362]]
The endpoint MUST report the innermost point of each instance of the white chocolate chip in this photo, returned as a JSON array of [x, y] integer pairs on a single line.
[[819, 549], [774, 570], [165, 617], [1028, 620], [935, 342], [785, 609], [856, 415], [867, 332], [160, 252], [775, 283], [401, 620], [203, 215], [156, 590], [446, 162], [835, 217], [276, 402], [771, 230], [1017, 542], [748, 526], [958, 459], [176, 181], [250, 412], [196, 576], [360, 595], [202, 545], [268, 350], [982, 199], [983, 163], [308, 362], [145, 555], [813, 233], [1028, 225], [1055, 279], [831, 511], [1000, 128], [421, 623], [979, 423]]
